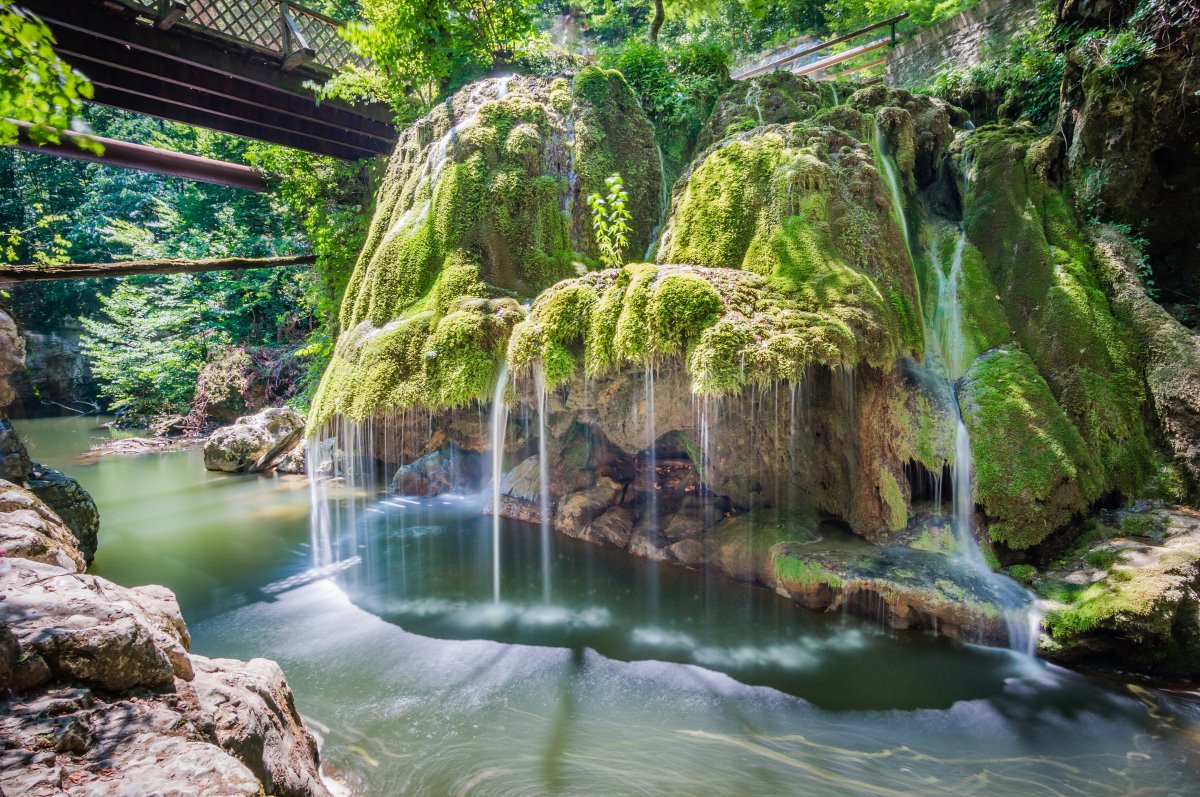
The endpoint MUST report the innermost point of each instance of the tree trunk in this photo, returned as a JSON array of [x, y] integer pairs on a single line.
[[657, 22], [11, 274]]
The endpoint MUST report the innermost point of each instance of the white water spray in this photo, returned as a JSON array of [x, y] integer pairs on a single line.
[[499, 426], [889, 172], [539, 379]]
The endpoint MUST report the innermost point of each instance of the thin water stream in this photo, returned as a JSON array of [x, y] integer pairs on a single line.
[[420, 685]]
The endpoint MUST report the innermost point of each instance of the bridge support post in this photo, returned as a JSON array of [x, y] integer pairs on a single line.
[[169, 12], [296, 51]]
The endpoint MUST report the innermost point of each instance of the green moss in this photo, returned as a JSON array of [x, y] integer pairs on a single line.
[[1101, 558], [681, 306], [1041, 266], [791, 570], [1022, 573], [894, 501], [1032, 469]]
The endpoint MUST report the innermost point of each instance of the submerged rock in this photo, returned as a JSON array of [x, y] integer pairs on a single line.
[[255, 443], [441, 471]]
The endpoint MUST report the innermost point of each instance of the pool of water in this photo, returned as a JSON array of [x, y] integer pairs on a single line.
[[624, 678]]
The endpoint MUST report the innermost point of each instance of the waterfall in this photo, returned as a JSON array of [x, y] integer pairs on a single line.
[[1022, 623], [755, 91], [836, 101], [499, 426], [664, 205], [889, 172], [539, 378]]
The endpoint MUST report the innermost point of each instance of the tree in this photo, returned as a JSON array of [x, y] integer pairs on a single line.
[[415, 47], [36, 86]]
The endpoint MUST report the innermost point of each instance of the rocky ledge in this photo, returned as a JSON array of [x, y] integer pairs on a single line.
[[99, 694]]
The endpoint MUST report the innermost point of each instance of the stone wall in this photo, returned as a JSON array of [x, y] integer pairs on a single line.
[[962, 41]]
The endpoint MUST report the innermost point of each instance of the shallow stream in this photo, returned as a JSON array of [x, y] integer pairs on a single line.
[[631, 679]]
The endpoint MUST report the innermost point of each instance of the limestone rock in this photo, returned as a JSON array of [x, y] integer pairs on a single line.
[[1130, 599], [12, 356], [253, 717], [91, 630], [30, 530], [578, 510], [295, 461], [70, 502], [255, 442], [441, 471], [14, 459]]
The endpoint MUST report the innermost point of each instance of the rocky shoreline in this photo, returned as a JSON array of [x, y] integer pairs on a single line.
[[99, 692]]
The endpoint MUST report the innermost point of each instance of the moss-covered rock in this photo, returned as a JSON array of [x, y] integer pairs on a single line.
[[774, 98], [1130, 600], [1032, 468], [1042, 268], [480, 203]]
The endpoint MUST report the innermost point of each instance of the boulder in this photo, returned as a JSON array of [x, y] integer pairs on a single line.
[[90, 630], [12, 357], [14, 459], [1126, 597], [253, 717], [255, 442], [70, 502], [294, 461], [31, 531], [441, 471]]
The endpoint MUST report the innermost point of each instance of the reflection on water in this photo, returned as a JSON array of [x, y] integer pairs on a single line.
[[417, 687]]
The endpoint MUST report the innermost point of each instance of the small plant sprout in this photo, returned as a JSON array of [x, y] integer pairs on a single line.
[[610, 221]]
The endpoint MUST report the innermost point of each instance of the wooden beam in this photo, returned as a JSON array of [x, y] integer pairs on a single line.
[[128, 268], [146, 159]]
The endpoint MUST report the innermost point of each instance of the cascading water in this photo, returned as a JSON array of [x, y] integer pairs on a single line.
[[1022, 622], [889, 171], [499, 427], [755, 92], [539, 379], [664, 205]]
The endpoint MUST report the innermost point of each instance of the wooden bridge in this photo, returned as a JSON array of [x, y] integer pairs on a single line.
[[804, 59], [237, 66]]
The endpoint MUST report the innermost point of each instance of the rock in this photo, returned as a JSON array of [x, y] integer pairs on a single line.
[[614, 527], [294, 461], [14, 459], [254, 443], [12, 357], [254, 717], [520, 492], [576, 511], [1128, 597], [70, 502], [30, 530], [10, 653], [91, 630], [56, 369], [695, 515], [171, 426], [441, 471]]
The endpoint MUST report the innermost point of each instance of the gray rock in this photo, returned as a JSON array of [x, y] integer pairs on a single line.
[[12, 357], [614, 527], [254, 717], [441, 471], [255, 442], [579, 509], [14, 459], [70, 502], [91, 630], [30, 530], [294, 461]]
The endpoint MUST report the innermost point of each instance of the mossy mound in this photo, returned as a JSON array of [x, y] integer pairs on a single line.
[[1041, 266], [917, 127], [773, 98], [729, 327], [1129, 597], [1032, 468], [482, 199]]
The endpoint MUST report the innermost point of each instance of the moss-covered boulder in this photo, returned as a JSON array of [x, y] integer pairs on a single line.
[[482, 202], [1126, 597], [774, 98]]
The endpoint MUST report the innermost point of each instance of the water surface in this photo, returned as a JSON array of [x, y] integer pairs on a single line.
[[632, 679]]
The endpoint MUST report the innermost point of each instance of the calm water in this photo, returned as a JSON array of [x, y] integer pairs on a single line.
[[631, 679]]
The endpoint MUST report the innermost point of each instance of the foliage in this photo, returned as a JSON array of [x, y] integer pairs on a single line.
[[56, 246], [415, 47], [610, 222], [676, 84], [36, 86], [847, 15], [1020, 81]]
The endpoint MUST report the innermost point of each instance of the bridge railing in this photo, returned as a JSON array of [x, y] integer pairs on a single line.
[[280, 28]]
